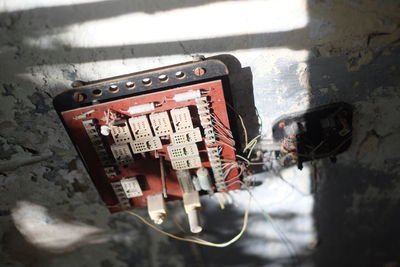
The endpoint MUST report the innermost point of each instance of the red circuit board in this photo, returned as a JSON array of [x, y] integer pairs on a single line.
[[146, 166]]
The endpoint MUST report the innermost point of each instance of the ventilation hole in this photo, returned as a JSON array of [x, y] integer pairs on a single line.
[[163, 78], [97, 92], [113, 88], [146, 81], [130, 85], [79, 97], [179, 74]]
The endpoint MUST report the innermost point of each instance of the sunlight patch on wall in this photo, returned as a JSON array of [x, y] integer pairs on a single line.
[[49, 232], [18, 5], [220, 19]]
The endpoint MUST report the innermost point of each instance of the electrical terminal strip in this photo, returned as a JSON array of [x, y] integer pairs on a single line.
[[182, 151], [219, 181], [146, 145], [121, 196], [140, 127], [201, 102], [161, 123], [210, 138], [216, 163], [205, 120], [122, 154], [181, 119], [120, 132], [97, 143], [213, 152], [192, 136], [186, 163], [209, 131], [110, 171]]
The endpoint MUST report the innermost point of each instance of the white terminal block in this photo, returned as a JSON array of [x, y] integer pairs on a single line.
[[181, 119], [182, 151], [140, 127], [120, 132], [189, 95], [141, 108], [192, 136], [186, 163], [191, 202], [131, 187], [156, 208], [161, 123], [122, 153], [146, 145]]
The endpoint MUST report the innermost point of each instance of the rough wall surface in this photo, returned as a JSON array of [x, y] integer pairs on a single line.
[[301, 53]]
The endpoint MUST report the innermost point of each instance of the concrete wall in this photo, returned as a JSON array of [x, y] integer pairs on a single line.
[[301, 53]]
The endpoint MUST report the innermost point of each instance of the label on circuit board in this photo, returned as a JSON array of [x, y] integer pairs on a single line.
[[145, 145], [188, 137]]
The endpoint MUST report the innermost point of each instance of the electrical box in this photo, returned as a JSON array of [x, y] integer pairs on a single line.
[[135, 132]]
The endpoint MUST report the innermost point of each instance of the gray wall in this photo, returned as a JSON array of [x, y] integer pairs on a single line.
[[301, 53]]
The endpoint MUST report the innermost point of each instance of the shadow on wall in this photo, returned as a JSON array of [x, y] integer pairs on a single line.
[[353, 54]]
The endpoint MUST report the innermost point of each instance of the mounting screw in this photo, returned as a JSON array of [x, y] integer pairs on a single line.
[[199, 71]]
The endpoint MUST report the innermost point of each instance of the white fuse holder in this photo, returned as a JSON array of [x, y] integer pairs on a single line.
[[141, 108], [156, 208], [189, 95]]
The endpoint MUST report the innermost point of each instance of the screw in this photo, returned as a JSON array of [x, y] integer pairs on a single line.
[[199, 71]]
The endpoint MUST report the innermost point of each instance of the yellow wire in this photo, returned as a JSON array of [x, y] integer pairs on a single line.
[[242, 122], [197, 240]]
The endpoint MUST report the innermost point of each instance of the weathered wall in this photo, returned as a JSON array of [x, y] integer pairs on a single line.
[[301, 53]]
